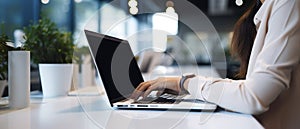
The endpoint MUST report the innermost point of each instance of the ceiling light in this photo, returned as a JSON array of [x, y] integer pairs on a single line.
[[170, 10], [239, 2], [78, 1], [133, 10], [45, 1], [132, 3]]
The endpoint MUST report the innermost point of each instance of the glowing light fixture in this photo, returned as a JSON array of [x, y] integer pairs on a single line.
[[132, 3], [78, 1], [45, 1], [166, 21], [170, 10], [170, 7], [239, 2], [164, 24], [133, 9]]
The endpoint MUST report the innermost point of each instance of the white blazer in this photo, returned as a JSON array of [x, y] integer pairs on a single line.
[[271, 90]]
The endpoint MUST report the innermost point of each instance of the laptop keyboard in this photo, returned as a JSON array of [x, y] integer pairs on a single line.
[[163, 99]]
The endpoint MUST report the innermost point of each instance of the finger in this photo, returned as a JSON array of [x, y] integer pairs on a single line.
[[140, 90], [159, 93], [142, 87], [139, 86], [149, 90], [143, 84], [136, 94]]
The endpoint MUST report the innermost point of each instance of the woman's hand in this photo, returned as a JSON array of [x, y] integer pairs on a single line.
[[160, 84]]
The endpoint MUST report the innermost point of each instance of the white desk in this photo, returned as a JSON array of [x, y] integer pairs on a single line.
[[93, 112]]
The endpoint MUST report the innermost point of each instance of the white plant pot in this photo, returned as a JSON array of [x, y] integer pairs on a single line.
[[56, 79], [3, 84]]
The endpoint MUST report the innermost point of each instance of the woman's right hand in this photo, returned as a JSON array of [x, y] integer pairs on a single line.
[[160, 84]]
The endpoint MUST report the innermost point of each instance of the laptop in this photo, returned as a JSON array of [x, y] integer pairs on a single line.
[[120, 75]]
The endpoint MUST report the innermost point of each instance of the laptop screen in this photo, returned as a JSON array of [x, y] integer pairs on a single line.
[[117, 66]]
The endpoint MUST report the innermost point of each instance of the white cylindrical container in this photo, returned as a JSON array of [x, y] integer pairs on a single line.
[[56, 79], [19, 79]]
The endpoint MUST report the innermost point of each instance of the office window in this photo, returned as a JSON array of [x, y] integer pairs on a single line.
[[61, 12], [84, 9], [112, 23], [119, 24], [15, 14]]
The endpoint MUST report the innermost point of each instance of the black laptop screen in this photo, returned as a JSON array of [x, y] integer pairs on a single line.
[[117, 66]]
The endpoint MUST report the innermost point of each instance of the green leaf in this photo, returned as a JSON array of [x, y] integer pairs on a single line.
[[47, 44]]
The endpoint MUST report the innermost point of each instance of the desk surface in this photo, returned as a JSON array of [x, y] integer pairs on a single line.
[[93, 112]]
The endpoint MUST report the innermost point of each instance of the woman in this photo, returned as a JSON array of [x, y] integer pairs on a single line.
[[272, 86]]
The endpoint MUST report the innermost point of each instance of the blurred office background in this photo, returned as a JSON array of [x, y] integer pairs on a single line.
[[73, 15]]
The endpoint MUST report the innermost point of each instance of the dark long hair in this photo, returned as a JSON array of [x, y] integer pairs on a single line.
[[243, 38]]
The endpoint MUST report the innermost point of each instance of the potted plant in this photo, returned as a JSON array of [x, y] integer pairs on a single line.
[[14, 67], [53, 51]]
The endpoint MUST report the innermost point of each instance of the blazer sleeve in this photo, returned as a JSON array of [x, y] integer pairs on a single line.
[[272, 72]]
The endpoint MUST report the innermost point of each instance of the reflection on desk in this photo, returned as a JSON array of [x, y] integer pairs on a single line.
[[93, 112]]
